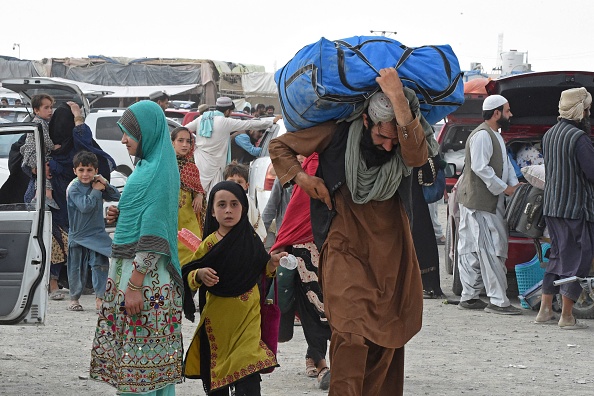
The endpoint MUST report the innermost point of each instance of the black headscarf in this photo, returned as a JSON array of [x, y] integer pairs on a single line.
[[60, 128], [239, 258]]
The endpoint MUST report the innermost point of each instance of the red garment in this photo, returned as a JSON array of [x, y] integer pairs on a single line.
[[189, 174], [296, 226]]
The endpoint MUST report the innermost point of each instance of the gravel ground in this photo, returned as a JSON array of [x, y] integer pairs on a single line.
[[456, 353]]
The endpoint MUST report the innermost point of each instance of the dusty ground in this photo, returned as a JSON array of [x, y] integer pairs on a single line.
[[456, 353]]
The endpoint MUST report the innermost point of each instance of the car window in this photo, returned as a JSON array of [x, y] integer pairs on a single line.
[[270, 134], [12, 115], [5, 142], [456, 138], [108, 129]]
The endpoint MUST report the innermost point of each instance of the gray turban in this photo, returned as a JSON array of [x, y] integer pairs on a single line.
[[573, 103]]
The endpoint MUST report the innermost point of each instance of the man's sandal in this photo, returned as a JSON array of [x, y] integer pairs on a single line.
[[310, 368]]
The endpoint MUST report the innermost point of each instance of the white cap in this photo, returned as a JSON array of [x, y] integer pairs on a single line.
[[493, 102]]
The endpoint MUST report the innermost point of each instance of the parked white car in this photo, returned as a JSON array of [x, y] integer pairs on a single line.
[[262, 172], [102, 122]]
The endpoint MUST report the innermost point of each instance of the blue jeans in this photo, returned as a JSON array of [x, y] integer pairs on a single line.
[[79, 260]]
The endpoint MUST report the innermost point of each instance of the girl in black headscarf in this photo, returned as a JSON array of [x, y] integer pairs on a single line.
[[228, 265]]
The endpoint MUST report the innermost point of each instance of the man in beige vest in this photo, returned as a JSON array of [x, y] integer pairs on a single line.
[[482, 243]]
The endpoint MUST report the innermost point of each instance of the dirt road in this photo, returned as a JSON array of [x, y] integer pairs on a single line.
[[456, 353]]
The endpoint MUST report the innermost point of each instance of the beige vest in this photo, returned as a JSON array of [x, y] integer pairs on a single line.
[[472, 191]]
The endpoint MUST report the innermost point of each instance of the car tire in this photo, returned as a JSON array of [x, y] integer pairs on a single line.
[[449, 265], [456, 282]]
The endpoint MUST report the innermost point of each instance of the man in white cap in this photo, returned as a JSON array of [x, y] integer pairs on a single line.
[[368, 269], [482, 234], [161, 98], [213, 129], [568, 204]]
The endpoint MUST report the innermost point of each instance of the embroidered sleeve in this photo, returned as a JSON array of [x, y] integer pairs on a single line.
[[193, 281], [146, 261], [270, 274]]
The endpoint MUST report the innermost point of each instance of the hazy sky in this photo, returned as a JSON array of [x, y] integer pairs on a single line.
[[556, 34]]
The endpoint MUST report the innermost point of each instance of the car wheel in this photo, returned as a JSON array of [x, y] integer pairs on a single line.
[[449, 266], [584, 306], [456, 282]]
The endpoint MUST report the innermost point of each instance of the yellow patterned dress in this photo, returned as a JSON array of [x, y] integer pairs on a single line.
[[232, 325]]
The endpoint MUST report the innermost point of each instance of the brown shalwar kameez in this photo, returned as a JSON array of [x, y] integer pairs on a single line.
[[369, 273]]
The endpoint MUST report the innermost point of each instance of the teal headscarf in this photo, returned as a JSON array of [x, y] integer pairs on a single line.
[[149, 204]]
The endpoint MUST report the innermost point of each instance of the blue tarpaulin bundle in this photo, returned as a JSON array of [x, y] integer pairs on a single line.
[[328, 80]]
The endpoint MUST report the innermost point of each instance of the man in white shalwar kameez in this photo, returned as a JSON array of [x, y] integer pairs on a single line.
[[483, 236], [213, 130]]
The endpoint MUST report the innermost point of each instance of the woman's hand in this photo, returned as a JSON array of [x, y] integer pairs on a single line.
[[207, 276], [75, 108], [197, 203], [134, 301]]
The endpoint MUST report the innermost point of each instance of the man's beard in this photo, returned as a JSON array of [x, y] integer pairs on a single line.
[[373, 155], [503, 123]]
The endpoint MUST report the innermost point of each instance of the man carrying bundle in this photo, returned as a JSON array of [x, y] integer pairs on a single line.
[[368, 267]]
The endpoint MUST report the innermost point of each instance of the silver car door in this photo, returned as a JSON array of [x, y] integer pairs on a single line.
[[25, 244]]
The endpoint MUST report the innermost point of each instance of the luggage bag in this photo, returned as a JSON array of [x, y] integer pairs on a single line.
[[328, 80], [524, 212]]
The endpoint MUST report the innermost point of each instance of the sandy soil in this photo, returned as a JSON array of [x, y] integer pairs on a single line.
[[456, 353]]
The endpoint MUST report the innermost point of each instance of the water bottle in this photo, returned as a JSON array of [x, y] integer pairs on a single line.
[[289, 262]]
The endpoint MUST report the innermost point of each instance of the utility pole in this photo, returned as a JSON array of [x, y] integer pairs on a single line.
[[383, 32]]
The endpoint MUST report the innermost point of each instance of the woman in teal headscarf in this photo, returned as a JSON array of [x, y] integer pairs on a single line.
[[138, 342]]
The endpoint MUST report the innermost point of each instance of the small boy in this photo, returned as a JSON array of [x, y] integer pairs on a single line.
[[89, 245], [239, 173]]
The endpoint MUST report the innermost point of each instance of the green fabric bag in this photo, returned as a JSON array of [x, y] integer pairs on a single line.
[[285, 279]]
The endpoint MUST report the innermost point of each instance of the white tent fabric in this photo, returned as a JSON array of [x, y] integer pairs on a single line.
[[130, 91], [258, 83]]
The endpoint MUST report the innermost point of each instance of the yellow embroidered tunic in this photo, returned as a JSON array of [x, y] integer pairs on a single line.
[[186, 218], [232, 325]]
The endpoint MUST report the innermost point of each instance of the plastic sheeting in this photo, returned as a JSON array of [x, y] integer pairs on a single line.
[[17, 69], [476, 85], [130, 91], [136, 74], [259, 83]]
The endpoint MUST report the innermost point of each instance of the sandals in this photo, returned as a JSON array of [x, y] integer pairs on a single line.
[[56, 295], [575, 326], [75, 307], [324, 378], [310, 368]]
